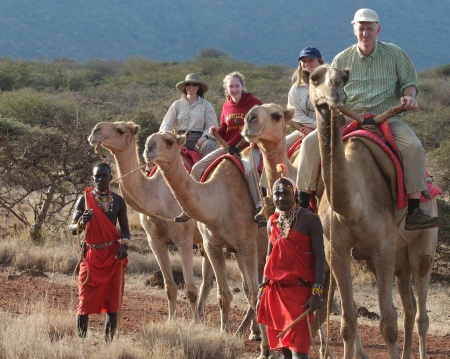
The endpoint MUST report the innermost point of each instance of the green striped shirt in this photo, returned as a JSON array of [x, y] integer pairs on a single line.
[[376, 82]]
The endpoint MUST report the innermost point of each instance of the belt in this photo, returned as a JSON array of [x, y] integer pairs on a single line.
[[101, 245], [183, 131], [301, 281]]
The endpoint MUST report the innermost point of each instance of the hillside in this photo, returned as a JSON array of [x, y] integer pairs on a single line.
[[262, 33]]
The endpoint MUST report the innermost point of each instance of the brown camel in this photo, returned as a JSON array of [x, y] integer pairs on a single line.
[[153, 200], [359, 214], [223, 209], [266, 125]]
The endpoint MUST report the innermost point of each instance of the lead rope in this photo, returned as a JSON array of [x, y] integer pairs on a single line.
[[333, 113], [255, 174], [142, 210]]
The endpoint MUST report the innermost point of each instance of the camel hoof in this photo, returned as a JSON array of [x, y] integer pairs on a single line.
[[255, 338]]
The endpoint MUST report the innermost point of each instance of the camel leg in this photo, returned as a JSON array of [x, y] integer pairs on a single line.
[[224, 296], [321, 314], [384, 266], [159, 249], [249, 268], [421, 285], [187, 265], [207, 284], [249, 319], [266, 352], [342, 274], [421, 254], [403, 282]]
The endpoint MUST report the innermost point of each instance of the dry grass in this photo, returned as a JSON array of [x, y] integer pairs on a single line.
[[50, 333]]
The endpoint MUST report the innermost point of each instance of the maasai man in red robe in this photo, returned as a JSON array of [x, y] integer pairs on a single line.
[[102, 268], [293, 273]]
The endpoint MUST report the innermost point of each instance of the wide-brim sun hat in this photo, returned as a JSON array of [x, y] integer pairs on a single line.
[[192, 78], [365, 15]]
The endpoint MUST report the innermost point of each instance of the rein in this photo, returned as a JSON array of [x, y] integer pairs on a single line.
[[97, 151], [334, 113]]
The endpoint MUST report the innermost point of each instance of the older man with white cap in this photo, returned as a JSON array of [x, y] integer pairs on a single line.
[[381, 76]]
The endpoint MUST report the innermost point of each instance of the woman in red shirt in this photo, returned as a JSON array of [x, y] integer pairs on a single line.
[[238, 103]]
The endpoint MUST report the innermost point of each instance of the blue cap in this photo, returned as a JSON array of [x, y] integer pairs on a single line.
[[311, 52]]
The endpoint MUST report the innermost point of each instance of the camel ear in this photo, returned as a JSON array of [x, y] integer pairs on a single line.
[[135, 129], [347, 71], [169, 138], [305, 76], [181, 140], [289, 114]]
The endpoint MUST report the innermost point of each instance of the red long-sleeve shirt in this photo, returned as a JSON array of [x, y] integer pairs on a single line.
[[232, 117]]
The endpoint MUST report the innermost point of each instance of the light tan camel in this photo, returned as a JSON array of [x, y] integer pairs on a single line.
[[266, 125], [223, 209], [358, 212], [153, 200]]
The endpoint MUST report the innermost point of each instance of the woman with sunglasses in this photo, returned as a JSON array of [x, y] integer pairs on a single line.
[[193, 114]]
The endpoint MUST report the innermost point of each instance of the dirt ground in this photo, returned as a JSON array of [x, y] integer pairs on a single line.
[[143, 304]]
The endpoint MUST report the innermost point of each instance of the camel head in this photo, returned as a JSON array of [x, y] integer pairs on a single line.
[[326, 85], [163, 148], [114, 136], [266, 121]]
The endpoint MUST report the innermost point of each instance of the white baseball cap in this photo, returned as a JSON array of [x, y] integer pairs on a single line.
[[365, 15]]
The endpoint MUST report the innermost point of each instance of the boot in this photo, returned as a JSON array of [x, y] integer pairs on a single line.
[[182, 217], [260, 217], [110, 326], [267, 208], [419, 219], [82, 325]]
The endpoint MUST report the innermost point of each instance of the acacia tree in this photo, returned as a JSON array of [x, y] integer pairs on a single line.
[[44, 160]]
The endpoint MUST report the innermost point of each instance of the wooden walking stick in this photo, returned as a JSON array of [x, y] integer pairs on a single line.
[[300, 317]]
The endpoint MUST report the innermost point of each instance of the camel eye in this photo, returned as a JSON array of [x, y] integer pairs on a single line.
[[253, 118], [120, 131], [277, 116]]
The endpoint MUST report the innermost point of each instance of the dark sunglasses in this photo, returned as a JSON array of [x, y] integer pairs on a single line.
[[191, 83]]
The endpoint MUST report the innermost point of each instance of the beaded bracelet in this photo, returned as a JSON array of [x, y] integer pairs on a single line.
[[317, 290]]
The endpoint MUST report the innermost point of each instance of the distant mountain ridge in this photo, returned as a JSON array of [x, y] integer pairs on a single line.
[[259, 32]]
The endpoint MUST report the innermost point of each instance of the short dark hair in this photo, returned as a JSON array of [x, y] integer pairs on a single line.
[[104, 164]]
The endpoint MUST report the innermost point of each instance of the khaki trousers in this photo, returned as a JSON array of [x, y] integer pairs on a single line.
[[247, 163], [409, 146]]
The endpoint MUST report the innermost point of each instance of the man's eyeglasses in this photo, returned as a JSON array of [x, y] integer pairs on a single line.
[[191, 84]]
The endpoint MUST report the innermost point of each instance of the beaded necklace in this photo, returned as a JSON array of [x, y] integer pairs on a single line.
[[286, 218], [104, 199]]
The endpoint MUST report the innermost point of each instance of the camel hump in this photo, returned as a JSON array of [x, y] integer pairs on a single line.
[[385, 162], [211, 168]]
